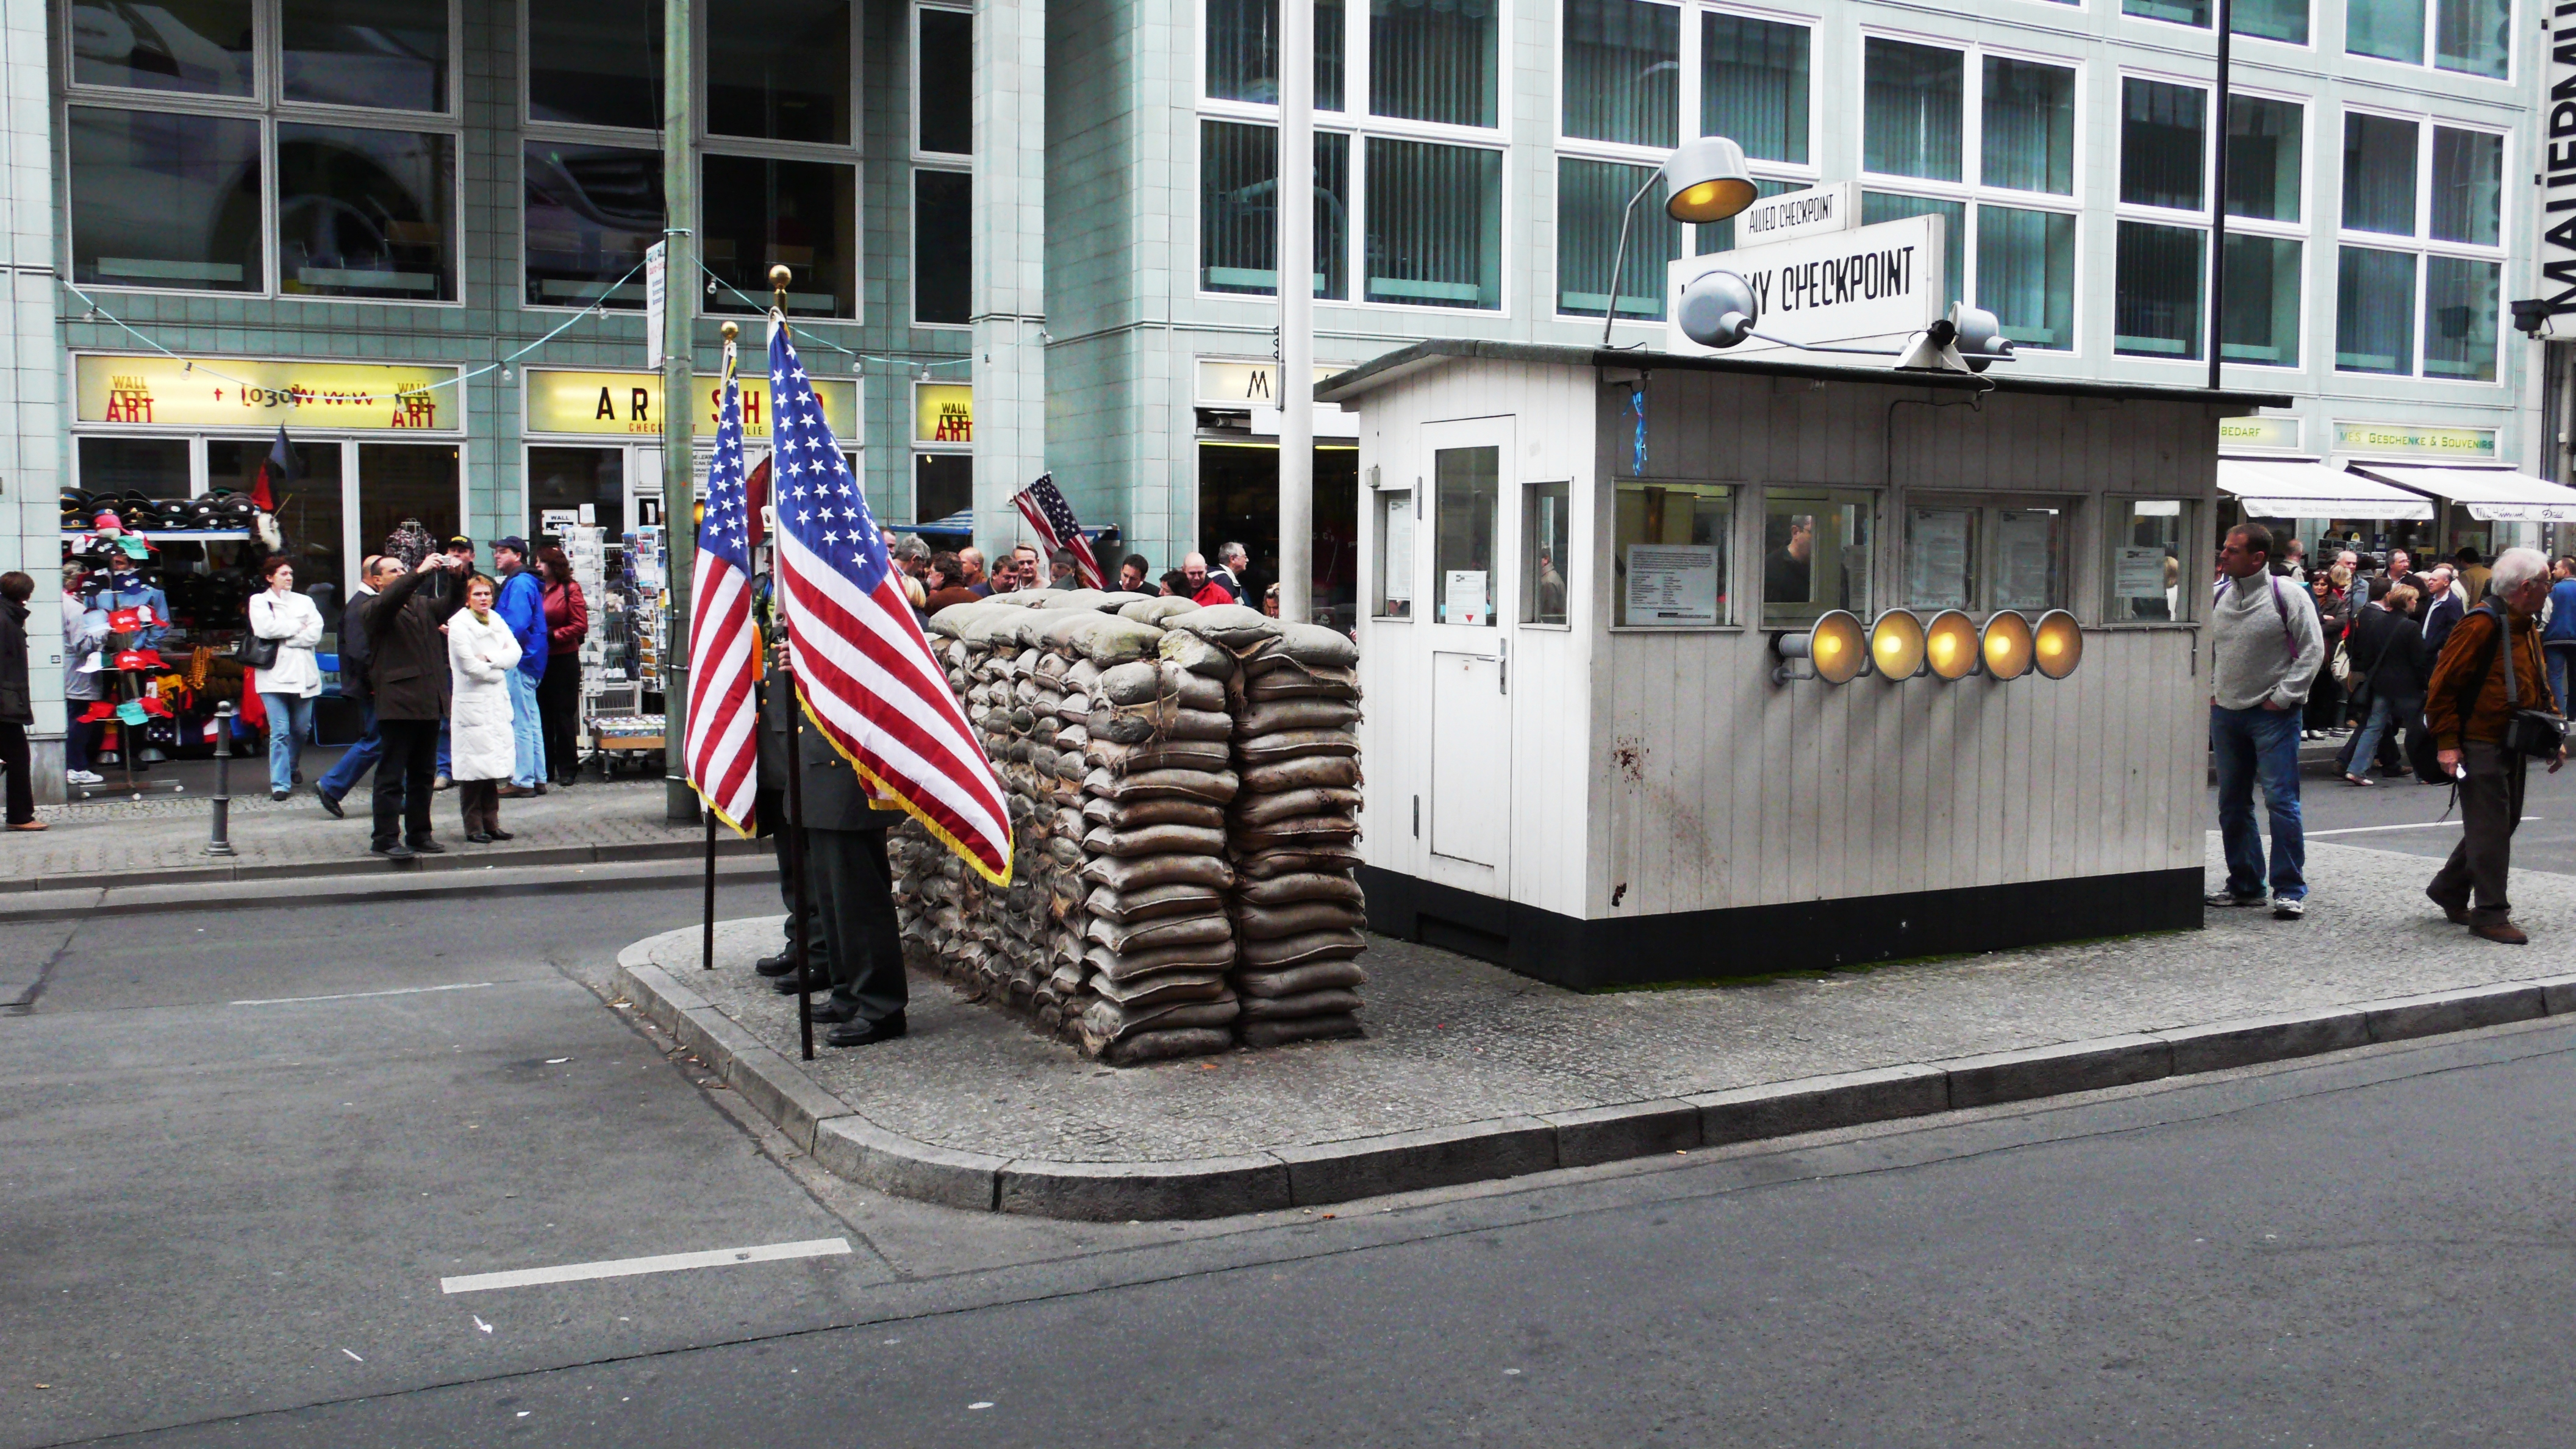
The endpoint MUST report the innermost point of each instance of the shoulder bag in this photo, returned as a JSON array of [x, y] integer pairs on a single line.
[[2534, 733], [253, 652]]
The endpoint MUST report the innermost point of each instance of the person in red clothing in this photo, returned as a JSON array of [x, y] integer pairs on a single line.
[[1204, 591], [559, 690]]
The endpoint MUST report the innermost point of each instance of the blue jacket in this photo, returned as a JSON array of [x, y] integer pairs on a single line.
[[2562, 614], [522, 605]]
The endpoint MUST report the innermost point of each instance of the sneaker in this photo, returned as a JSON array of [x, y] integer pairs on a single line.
[[2352, 779], [2288, 908], [2229, 898], [84, 777]]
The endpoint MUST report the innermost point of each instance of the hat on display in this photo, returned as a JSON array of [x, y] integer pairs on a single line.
[[151, 659], [107, 522], [104, 710]]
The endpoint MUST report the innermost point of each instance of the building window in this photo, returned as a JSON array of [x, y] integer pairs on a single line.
[[1912, 101], [1815, 555], [1984, 558], [942, 484], [2026, 274], [2161, 261], [1243, 52], [1753, 85], [2418, 277], [755, 213], [2029, 124], [1622, 71], [1669, 554], [2261, 321], [591, 64], [2155, 308], [943, 82], [200, 48], [1589, 197], [1879, 206], [1547, 527], [2282, 20], [592, 211], [2473, 37], [377, 54], [2265, 139], [2164, 135], [1434, 219], [1433, 60], [780, 71], [366, 213], [164, 200], [943, 241], [1238, 215]]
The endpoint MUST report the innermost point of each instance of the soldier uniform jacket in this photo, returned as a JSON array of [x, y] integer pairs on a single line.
[[834, 796]]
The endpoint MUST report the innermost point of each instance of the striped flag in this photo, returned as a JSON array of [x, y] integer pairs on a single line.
[[1042, 504], [723, 748], [863, 669]]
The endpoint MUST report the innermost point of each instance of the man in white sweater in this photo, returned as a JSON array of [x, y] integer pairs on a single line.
[[2264, 649]]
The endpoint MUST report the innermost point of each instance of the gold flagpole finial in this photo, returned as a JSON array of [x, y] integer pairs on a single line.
[[731, 330], [778, 278]]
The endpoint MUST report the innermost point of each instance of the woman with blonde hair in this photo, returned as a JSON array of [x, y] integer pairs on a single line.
[[483, 749]]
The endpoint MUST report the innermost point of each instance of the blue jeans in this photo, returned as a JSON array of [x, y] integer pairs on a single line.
[[361, 758], [2558, 655], [2260, 742], [443, 771], [527, 733], [2387, 716], [290, 724]]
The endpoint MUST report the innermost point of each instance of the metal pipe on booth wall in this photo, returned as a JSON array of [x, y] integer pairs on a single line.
[[679, 397], [1295, 273]]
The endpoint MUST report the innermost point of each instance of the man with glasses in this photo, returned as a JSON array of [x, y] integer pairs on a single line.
[[2264, 648]]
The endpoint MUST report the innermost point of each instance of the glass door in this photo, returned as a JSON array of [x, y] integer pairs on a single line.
[[1471, 719]]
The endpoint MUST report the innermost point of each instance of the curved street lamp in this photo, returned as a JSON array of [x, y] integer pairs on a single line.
[[1704, 180]]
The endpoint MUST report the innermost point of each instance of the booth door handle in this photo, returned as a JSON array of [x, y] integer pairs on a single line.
[[1502, 666]]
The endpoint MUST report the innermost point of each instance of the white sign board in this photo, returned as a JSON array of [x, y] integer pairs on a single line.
[[1463, 599], [2557, 171], [1794, 214], [1874, 286], [657, 297], [1671, 584]]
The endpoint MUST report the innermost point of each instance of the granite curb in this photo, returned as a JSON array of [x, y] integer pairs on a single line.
[[488, 875], [1318, 1174], [216, 872]]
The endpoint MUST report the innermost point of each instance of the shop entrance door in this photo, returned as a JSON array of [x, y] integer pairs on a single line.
[[1471, 722], [399, 482]]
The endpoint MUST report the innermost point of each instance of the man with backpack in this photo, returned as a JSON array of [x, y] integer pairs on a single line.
[[2265, 646], [2491, 712]]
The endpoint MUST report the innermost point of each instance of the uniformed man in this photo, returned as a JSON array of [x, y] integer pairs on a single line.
[[852, 940]]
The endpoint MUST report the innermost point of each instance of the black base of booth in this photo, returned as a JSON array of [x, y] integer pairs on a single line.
[[1796, 936]]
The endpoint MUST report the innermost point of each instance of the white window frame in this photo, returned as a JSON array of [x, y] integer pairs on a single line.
[[2422, 244], [2300, 231], [2120, 8], [912, 20], [2429, 64]]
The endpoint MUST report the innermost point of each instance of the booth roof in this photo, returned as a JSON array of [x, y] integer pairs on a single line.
[[1371, 375], [2301, 488]]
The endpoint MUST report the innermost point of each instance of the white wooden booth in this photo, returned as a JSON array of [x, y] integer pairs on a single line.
[[1580, 764]]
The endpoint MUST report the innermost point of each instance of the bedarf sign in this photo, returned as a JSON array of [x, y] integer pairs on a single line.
[[2558, 167], [1873, 285]]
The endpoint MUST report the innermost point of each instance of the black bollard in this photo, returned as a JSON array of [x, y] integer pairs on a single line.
[[220, 841]]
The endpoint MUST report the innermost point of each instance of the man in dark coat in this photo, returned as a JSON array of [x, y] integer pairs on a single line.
[[407, 677], [362, 755], [852, 937]]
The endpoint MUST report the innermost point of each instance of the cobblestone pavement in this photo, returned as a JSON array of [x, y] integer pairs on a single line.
[[1453, 1040], [168, 832]]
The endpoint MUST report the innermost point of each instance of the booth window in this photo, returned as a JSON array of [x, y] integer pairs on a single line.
[[2146, 538], [1668, 554], [1985, 557], [1815, 554], [2423, 218], [1394, 554], [1466, 501], [1243, 52], [1546, 526]]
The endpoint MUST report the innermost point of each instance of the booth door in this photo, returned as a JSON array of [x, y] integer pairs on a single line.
[[1471, 722]]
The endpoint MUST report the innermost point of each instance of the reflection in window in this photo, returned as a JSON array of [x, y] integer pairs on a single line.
[[1432, 60], [2374, 311], [942, 484], [202, 47], [2388, 29], [2378, 174], [2264, 138], [1911, 103], [943, 241], [400, 482], [1243, 52], [2468, 185], [2029, 569], [2155, 304], [1466, 499], [1238, 220], [2282, 20], [155, 467], [1815, 555], [561, 480], [2474, 36], [1753, 85], [1546, 526], [309, 512], [2261, 322], [2145, 536], [757, 213], [2460, 318], [2026, 274], [1394, 598], [2029, 140], [780, 70], [944, 74], [1623, 71], [2163, 131], [161, 200], [382, 54], [366, 213], [1434, 225], [2173, 12], [1589, 199], [1878, 206], [592, 211], [1668, 554], [595, 62]]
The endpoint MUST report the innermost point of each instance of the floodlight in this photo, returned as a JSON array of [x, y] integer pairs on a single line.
[[2057, 644], [1950, 645], [1834, 647], [1896, 645], [2005, 645]]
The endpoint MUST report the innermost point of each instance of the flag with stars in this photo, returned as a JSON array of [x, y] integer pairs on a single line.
[[863, 670], [1042, 504], [722, 744]]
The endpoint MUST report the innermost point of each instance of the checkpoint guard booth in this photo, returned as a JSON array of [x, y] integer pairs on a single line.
[[1688, 664]]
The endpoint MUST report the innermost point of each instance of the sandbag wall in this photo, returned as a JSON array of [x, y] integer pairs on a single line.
[[1117, 725]]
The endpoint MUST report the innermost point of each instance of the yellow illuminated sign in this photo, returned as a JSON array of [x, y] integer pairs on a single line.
[[943, 412], [2474, 444], [629, 404], [238, 392]]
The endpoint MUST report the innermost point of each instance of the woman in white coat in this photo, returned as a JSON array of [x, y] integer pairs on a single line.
[[483, 750], [286, 688]]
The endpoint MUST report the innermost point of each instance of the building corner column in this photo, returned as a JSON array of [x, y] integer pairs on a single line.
[[1009, 298], [33, 373]]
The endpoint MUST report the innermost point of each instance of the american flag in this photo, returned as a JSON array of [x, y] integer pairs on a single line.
[[724, 647], [1042, 504], [863, 669]]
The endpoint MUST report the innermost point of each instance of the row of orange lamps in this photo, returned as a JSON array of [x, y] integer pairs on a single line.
[[1950, 646]]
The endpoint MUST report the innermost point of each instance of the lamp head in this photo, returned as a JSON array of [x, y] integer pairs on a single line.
[[1896, 644], [1950, 645], [1718, 309], [1706, 180], [1835, 647], [2057, 644], [1978, 336], [2006, 643]]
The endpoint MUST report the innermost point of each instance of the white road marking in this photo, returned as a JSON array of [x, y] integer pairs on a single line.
[[358, 995], [627, 1267], [2415, 825]]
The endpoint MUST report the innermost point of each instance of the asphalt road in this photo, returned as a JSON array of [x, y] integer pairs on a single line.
[[2400, 815], [226, 1207]]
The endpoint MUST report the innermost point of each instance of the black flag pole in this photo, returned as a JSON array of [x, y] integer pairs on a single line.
[[792, 838]]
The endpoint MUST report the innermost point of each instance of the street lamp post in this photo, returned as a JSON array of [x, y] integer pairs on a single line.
[[1295, 198], [679, 398]]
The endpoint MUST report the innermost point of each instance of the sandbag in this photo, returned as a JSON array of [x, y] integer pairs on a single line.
[[1118, 641], [1158, 755], [1137, 813], [1231, 627], [1310, 946], [1317, 646], [1154, 840], [1195, 654], [1285, 804], [1217, 787], [1294, 980], [1163, 989], [1289, 889], [1295, 745], [1300, 831], [1112, 727], [1308, 1003], [1310, 772], [1275, 715], [1295, 683], [1157, 1046], [1108, 1021], [1155, 610], [1155, 903], [1214, 956], [1120, 725], [1137, 937], [1306, 1028], [1129, 876], [1271, 923], [1136, 682], [1273, 864]]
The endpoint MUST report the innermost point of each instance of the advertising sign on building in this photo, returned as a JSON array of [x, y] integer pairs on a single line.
[[943, 412], [2557, 210], [241, 392], [1223, 383], [657, 297], [630, 403], [2236, 433], [1871, 286], [2397, 440], [1794, 214]]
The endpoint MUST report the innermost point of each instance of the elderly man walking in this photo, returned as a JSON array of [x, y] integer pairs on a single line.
[[2490, 667], [2264, 648]]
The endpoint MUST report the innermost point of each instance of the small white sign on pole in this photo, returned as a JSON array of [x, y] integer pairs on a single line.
[[1815, 211], [656, 298], [1872, 286]]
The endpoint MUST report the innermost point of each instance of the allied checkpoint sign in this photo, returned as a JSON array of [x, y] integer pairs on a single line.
[[1870, 286]]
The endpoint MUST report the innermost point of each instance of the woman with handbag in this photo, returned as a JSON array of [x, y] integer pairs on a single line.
[[559, 692], [2387, 661], [285, 627], [482, 745]]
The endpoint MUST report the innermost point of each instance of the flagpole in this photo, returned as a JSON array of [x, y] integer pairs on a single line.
[[707, 946], [792, 837]]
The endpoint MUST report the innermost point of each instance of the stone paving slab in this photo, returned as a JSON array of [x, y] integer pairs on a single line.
[[1460, 1050]]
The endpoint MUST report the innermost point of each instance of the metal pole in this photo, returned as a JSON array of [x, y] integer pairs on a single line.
[[1296, 274], [679, 394], [792, 839], [2218, 203], [1619, 257], [220, 840], [707, 948]]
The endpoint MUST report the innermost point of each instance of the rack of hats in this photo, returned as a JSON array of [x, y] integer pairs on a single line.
[[167, 580]]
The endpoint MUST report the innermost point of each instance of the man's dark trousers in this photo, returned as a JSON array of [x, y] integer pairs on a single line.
[[2490, 807], [853, 890], [402, 779]]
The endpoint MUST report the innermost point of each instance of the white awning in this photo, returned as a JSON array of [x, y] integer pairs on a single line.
[[2492, 495], [2290, 488]]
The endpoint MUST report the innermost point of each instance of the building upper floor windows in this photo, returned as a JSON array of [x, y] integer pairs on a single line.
[[2473, 37], [380, 54], [943, 81], [595, 63], [2282, 20], [780, 70], [1622, 63], [1434, 60], [197, 46], [1243, 52]]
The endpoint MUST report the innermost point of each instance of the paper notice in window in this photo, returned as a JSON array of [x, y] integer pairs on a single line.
[[1463, 599], [2138, 573], [1672, 584], [1399, 549]]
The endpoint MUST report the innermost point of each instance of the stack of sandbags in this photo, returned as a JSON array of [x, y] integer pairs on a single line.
[[1293, 832]]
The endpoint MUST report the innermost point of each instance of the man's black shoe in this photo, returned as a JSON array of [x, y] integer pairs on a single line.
[[786, 985], [832, 1013], [332, 806], [477, 837], [773, 966], [865, 1033], [501, 835], [428, 847], [392, 852]]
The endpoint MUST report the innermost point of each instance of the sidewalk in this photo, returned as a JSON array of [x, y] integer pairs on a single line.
[[1471, 1073], [162, 838]]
